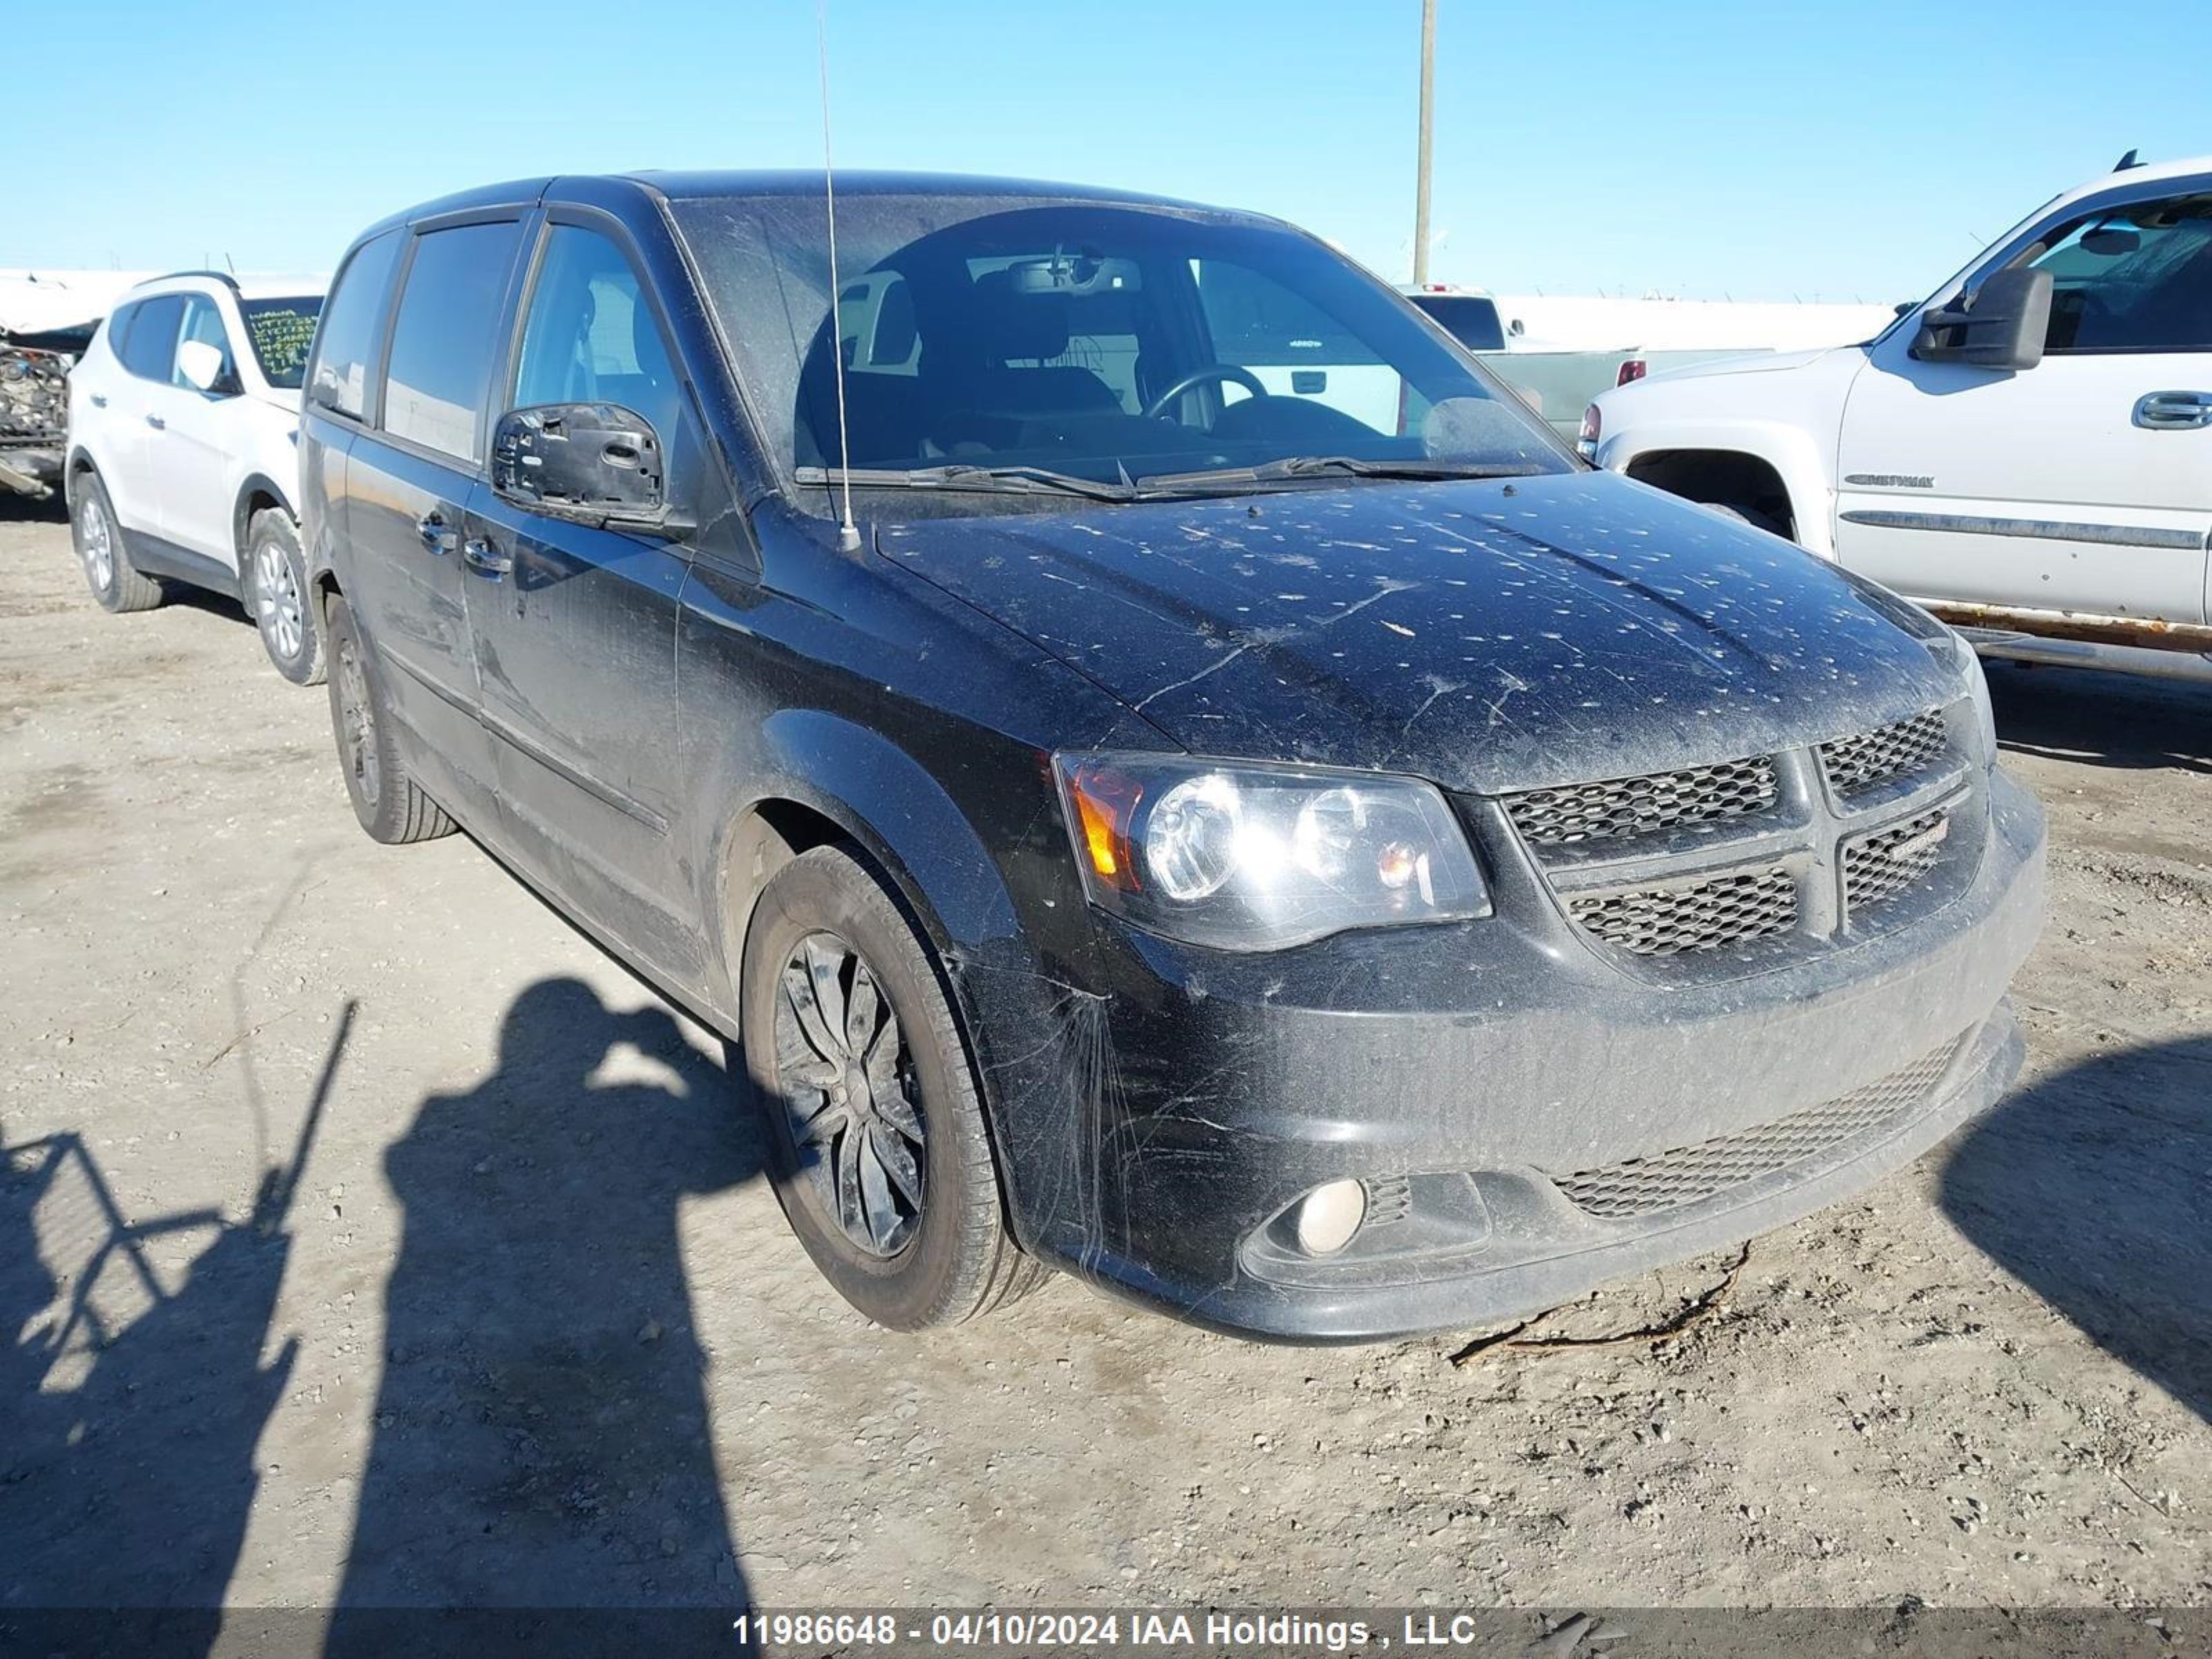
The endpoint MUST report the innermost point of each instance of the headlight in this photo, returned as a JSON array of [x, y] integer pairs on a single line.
[[1968, 662], [1244, 857]]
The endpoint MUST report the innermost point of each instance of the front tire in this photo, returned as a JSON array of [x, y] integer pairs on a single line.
[[273, 583], [116, 583], [385, 797], [875, 1121]]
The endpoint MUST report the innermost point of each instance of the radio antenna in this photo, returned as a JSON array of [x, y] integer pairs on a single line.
[[848, 534]]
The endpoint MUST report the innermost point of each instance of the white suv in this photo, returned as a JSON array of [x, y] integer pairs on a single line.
[[2029, 455], [183, 458]]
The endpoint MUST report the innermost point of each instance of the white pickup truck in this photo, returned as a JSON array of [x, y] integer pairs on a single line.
[[2029, 454]]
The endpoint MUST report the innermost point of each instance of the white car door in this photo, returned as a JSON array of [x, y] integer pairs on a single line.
[[191, 435], [119, 403], [2082, 485]]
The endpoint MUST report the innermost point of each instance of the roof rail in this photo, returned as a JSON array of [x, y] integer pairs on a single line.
[[222, 276]]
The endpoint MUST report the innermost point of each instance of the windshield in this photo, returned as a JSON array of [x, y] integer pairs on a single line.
[[281, 331], [1025, 345]]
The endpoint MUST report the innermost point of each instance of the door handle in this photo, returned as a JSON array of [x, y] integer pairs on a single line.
[[480, 556], [431, 527], [157, 424], [2173, 411]]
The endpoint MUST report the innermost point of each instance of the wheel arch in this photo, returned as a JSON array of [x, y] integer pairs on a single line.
[[827, 780], [1786, 460], [75, 464], [256, 492]]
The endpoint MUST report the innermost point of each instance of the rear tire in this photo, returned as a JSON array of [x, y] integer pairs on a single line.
[[272, 581], [385, 797], [116, 583], [875, 1122]]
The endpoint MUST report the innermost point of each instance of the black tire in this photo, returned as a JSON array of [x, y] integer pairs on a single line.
[[387, 801], [1750, 515], [116, 583], [949, 1255], [272, 585]]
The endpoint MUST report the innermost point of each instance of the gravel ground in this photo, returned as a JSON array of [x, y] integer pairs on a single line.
[[365, 1235]]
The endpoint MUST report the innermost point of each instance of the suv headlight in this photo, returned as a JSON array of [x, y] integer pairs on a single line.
[[1244, 857], [1968, 662]]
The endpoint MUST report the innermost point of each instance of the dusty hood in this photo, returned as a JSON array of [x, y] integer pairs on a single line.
[[1577, 627]]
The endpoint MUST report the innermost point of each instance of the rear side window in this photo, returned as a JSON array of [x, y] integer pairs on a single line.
[[1468, 318], [347, 338], [148, 347], [442, 340]]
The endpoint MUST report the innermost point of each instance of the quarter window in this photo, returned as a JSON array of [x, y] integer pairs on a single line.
[[346, 340], [2136, 279], [590, 337], [442, 340], [148, 349]]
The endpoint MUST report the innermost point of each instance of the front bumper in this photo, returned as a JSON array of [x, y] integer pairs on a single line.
[[1464, 1072]]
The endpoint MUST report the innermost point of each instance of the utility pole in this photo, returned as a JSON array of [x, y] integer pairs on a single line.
[[1428, 121]]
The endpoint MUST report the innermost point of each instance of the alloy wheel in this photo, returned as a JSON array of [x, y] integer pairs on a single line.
[[847, 1085], [277, 600], [97, 543]]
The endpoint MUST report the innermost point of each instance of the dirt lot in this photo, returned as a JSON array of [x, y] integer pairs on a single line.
[[517, 1319]]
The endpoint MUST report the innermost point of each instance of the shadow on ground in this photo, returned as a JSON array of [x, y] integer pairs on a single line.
[[539, 1435], [131, 1396], [2092, 1188], [2106, 720], [16, 508]]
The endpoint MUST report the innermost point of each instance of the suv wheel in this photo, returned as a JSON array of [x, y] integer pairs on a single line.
[[274, 584], [386, 799], [875, 1122], [116, 583]]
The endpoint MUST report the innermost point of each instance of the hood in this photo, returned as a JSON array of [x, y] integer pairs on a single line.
[[1767, 362], [1487, 635]]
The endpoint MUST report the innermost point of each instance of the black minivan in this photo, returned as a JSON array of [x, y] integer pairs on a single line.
[[1158, 767]]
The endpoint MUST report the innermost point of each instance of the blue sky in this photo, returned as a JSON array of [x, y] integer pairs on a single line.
[[1704, 149]]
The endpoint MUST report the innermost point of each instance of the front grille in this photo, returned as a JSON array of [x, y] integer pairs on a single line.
[[1869, 759], [1686, 1174], [1640, 806], [1665, 921], [1883, 864]]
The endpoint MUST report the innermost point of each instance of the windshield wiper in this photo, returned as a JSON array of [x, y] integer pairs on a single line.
[[1315, 467], [1021, 480]]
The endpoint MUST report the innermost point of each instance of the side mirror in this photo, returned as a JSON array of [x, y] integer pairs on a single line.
[[591, 463], [2001, 324], [204, 368]]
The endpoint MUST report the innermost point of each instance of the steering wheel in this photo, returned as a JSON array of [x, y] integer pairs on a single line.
[[1198, 377]]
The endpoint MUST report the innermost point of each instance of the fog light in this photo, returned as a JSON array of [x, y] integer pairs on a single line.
[[1329, 1215]]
